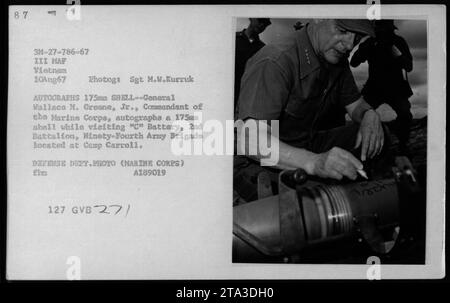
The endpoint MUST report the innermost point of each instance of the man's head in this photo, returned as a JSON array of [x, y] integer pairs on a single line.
[[333, 40], [384, 30], [258, 25]]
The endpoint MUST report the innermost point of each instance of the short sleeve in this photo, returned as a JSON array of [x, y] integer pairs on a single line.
[[264, 91], [349, 92]]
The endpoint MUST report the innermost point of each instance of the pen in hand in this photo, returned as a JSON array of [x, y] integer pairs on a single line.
[[362, 173]]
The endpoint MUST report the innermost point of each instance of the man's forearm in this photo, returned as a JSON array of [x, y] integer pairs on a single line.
[[358, 111], [287, 156], [292, 158]]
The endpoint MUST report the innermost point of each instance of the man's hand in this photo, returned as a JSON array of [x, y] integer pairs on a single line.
[[370, 135], [335, 164]]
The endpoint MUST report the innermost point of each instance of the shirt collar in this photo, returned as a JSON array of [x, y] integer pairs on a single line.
[[306, 55]]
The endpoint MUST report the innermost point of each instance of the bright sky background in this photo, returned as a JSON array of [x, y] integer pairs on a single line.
[[413, 31]]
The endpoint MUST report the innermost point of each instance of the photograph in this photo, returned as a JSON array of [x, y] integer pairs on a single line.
[[323, 123], [345, 102]]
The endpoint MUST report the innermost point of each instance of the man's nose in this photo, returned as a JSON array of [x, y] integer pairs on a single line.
[[349, 41]]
